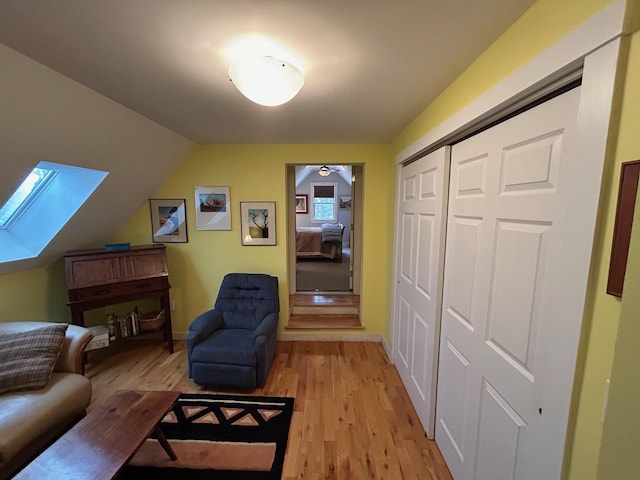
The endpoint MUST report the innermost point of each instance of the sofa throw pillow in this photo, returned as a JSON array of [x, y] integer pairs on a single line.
[[27, 358]]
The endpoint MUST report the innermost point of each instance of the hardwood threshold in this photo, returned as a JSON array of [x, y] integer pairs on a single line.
[[326, 310], [316, 322]]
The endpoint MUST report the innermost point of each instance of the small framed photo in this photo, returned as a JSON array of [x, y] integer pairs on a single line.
[[345, 202], [168, 220], [258, 222], [301, 204], [213, 208]]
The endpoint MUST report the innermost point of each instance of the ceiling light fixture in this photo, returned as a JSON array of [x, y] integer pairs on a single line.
[[266, 80], [324, 171]]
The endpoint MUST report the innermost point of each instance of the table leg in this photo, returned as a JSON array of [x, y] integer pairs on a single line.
[[163, 441]]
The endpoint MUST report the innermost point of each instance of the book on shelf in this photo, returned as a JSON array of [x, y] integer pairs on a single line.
[[122, 326], [111, 326]]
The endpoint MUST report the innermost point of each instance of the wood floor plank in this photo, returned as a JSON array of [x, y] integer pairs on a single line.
[[352, 416]]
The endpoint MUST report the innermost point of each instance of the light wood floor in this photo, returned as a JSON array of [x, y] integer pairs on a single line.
[[352, 418]]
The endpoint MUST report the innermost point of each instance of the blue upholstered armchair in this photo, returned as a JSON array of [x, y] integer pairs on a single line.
[[233, 345]]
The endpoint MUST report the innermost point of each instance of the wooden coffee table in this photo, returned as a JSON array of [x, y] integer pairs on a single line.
[[100, 444]]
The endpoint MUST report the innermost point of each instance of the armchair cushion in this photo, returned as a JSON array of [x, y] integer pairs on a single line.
[[27, 358], [229, 346]]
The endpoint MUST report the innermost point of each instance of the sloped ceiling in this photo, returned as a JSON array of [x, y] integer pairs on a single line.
[[45, 116], [370, 66], [131, 87]]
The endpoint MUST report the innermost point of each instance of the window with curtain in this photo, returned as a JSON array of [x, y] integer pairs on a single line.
[[324, 201]]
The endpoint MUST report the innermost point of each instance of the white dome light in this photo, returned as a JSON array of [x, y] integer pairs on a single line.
[[324, 171], [266, 80]]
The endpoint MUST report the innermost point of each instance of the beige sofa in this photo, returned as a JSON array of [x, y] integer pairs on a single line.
[[30, 420]]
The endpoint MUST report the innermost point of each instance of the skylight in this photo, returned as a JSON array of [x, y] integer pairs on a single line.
[[41, 205], [26, 192]]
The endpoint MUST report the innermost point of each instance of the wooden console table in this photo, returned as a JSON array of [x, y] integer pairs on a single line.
[[96, 278]]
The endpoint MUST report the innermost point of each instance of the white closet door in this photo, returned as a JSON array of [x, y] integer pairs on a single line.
[[422, 191], [511, 309]]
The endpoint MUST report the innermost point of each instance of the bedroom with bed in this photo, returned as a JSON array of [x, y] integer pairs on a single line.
[[320, 242], [323, 219]]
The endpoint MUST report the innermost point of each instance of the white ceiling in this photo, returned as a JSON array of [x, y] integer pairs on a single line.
[[370, 66]]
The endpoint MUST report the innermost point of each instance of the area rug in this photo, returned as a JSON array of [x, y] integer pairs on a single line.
[[218, 437]]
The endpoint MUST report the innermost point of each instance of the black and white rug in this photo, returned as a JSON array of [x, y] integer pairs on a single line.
[[227, 437]]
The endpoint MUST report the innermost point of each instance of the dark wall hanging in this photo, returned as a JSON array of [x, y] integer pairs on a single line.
[[622, 228]]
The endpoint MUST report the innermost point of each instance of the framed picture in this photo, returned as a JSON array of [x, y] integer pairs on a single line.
[[629, 177], [301, 204], [258, 221], [345, 202], [213, 208], [168, 220]]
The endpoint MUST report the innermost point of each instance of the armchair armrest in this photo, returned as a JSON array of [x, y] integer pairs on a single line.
[[75, 341], [267, 326], [204, 325]]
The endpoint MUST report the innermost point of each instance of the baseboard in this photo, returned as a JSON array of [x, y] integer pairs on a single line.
[[387, 348]]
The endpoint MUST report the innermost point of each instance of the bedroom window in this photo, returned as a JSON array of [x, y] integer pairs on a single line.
[[324, 201]]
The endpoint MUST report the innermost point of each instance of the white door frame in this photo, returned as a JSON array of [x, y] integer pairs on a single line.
[[594, 45]]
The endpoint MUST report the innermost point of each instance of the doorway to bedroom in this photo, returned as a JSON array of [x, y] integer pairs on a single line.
[[324, 225], [323, 228]]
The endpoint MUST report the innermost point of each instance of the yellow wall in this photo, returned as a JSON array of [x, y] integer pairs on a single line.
[[619, 457], [540, 27], [600, 327], [38, 294], [253, 173], [257, 173]]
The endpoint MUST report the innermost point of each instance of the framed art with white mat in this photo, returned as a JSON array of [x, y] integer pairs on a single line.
[[258, 222], [213, 208]]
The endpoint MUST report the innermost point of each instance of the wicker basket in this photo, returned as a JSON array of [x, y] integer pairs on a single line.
[[151, 321]]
